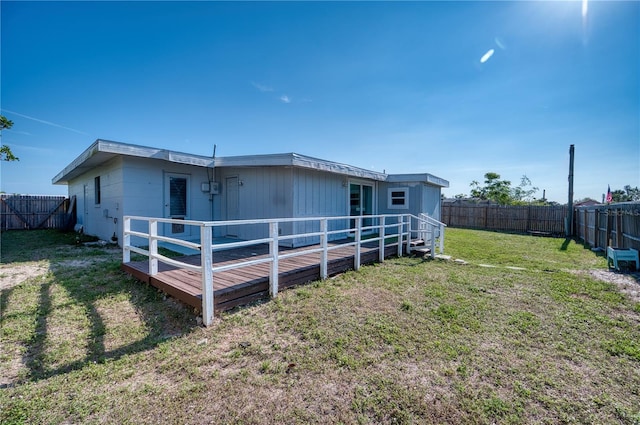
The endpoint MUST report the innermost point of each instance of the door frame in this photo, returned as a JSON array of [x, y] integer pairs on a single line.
[[231, 231], [174, 229], [361, 208]]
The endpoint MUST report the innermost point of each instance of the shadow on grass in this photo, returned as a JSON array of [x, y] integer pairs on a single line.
[[566, 243], [77, 309]]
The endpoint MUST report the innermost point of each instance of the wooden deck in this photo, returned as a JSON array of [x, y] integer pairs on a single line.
[[241, 286]]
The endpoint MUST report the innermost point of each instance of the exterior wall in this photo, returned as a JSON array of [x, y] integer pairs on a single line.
[[281, 192], [135, 186], [432, 201], [105, 218], [317, 194], [145, 191], [423, 198], [263, 192]]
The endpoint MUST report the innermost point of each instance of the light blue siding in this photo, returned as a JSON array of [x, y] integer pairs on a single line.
[[103, 219], [319, 194], [263, 192]]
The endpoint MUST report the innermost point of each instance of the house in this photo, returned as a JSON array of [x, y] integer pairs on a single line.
[[586, 202], [110, 180]]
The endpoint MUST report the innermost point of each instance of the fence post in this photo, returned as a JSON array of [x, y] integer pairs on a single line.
[[126, 240], [381, 242], [596, 219], [206, 266], [608, 229], [356, 257], [273, 252], [324, 257], [619, 230], [153, 247]]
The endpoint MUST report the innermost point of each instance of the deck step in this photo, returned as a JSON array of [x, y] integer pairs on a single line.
[[424, 250], [417, 242]]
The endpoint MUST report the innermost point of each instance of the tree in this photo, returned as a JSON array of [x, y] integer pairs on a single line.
[[5, 151], [524, 192], [628, 194], [500, 191], [494, 189]]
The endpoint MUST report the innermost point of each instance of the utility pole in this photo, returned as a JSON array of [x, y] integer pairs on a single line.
[[569, 226]]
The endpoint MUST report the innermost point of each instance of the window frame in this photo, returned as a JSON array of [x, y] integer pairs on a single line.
[[97, 191], [405, 198]]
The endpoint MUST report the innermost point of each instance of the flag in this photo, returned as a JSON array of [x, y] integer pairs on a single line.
[[609, 197]]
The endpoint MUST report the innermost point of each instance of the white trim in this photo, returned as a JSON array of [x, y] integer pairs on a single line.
[[405, 198], [169, 229], [301, 161], [103, 150], [418, 178], [374, 198]]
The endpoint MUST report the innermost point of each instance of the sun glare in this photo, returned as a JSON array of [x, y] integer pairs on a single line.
[[585, 8], [486, 56]]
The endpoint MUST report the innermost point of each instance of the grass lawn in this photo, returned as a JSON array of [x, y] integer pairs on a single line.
[[535, 339]]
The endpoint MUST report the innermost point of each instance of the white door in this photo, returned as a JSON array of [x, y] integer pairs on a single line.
[[176, 203]]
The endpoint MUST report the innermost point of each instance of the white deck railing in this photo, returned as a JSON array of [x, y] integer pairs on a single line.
[[395, 227], [433, 229]]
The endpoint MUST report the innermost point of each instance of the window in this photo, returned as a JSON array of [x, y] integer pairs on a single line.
[[96, 189], [398, 198]]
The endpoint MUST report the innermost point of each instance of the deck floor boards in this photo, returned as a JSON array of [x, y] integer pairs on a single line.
[[243, 285]]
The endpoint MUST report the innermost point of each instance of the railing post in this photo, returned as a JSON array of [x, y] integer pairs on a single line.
[[126, 240], [433, 244], [356, 257], [206, 266], [400, 228], [324, 243], [381, 243], [408, 235], [441, 238], [273, 252], [153, 247]]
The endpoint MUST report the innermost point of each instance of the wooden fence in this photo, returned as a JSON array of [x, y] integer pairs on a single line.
[[506, 218], [36, 212], [616, 225]]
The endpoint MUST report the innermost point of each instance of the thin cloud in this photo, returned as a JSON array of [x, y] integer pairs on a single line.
[[46, 122], [285, 99], [262, 87]]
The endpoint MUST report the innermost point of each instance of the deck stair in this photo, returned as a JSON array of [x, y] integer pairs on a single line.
[[420, 248], [417, 242]]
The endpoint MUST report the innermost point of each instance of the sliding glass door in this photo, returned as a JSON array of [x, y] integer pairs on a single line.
[[361, 202]]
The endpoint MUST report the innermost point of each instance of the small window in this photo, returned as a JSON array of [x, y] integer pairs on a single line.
[[398, 198], [96, 188]]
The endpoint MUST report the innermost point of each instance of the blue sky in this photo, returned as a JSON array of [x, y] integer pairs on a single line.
[[398, 87]]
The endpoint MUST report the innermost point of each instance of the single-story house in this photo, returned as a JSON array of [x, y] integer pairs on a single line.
[[110, 180]]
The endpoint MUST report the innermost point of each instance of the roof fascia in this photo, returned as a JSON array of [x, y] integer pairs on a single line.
[[125, 149], [297, 160], [422, 178]]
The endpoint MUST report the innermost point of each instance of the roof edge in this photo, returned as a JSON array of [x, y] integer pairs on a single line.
[[111, 148], [418, 177]]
